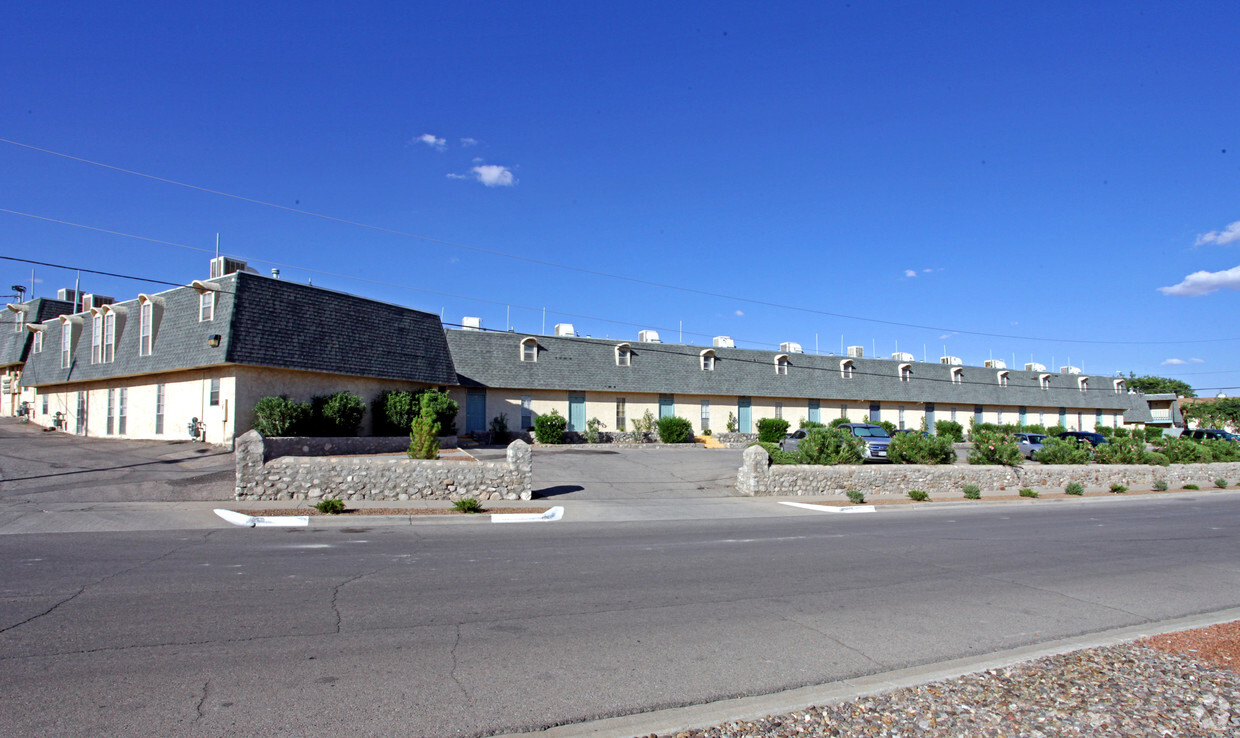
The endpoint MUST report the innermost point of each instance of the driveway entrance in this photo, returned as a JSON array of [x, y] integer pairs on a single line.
[[634, 473]]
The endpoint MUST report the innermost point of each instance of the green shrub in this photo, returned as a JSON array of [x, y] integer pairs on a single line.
[[277, 417], [706, 432], [444, 407], [918, 495], [1074, 488], [1064, 451], [592, 426], [1191, 486], [1154, 458], [1121, 451], [1105, 430], [836, 422], [1160, 485], [777, 454], [1055, 430], [499, 430], [1118, 488], [972, 492], [856, 496], [393, 412], [1184, 451], [549, 427], [731, 424], [807, 424], [339, 414], [1221, 450], [643, 425], [676, 430], [915, 448], [330, 507], [467, 505], [949, 429], [886, 425], [1153, 434], [994, 448], [772, 430], [424, 437], [1220, 483], [830, 446], [1027, 492], [1123, 432]]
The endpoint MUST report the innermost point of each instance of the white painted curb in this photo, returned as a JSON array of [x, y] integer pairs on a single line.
[[830, 508], [553, 514], [248, 521]]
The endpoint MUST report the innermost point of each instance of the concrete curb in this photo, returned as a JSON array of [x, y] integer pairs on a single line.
[[674, 720], [831, 508]]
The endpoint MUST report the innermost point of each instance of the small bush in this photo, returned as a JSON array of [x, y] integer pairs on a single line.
[[549, 427], [1121, 451], [772, 430], [1220, 483], [676, 430], [1118, 488], [1152, 435], [393, 412], [467, 505], [1074, 488], [949, 429], [990, 447], [1191, 486], [1184, 451], [1026, 492], [706, 432], [1221, 450], [424, 437], [918, 495], [1064, 451], [807, 424], [1154, 458], [499, 430], [731, 424], [276, 417], [592, 426], [972, 492], [855, 496], [642, 426], [915, 448], [836, 422], [330, 507], [1055, 430], [1122, 432], [1160, 485], [831, 446], [339, 414], [777, 454]]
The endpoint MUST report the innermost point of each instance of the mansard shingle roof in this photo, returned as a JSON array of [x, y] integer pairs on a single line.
[[588, 364], [14, 346]]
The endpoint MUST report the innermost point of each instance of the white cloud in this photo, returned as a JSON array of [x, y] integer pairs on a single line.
[[740, 313], [1203, 283], [1228, 235], [467, 142], [1174, 362], [452, 175], [434, 142], [493, 175], [910, 273], [946, 336], [927, 271], [1198, 361]]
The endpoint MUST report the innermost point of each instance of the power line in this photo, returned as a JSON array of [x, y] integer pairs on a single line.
[[583, 270]]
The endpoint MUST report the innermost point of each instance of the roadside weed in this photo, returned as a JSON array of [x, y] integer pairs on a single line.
[[856, 496], [972, 492], [1118, 488], [330, 507], [1074, 488], [918, 495], [1026, 492], [467, 505]]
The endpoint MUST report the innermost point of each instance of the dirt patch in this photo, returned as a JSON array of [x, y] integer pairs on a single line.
[[1217, 645]]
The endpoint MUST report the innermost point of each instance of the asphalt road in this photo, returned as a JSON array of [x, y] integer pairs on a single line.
[[473, 629]]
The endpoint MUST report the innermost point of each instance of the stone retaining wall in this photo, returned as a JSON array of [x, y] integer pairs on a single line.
[[757, 477], [262, 476]]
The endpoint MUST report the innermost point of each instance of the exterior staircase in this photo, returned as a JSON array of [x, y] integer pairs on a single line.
[[709, 441]]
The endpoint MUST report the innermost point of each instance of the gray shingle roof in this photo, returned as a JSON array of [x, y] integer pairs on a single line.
[[584, 364], [14, 346]]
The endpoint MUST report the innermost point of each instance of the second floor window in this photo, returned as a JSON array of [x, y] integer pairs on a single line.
[[96, 339], [206, 306], [109, 338], [144, 329], [66, 345]]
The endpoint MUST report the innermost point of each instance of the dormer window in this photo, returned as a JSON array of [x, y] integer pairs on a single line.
[[20, 323], [529, 349], [96, 337], [708, 360], [957, 375], [1003, 379], [1119, 387], [66, 340], [847, 369], [781, 364], [906, 372], [146, 319], [206, 306], [1084, 383], [1045, 381], [109, 337], [38, 339], [624, 355]]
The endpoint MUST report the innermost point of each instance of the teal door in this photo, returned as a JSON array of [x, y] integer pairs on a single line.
[[577, 413], [667, 406], [745, 421], [813, 411], [476, 411]]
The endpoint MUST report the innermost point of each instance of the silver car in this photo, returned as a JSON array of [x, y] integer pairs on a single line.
[[875, 438], [1029, 443]]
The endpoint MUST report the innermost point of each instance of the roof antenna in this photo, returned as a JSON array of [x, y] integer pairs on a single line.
[[217, 245]]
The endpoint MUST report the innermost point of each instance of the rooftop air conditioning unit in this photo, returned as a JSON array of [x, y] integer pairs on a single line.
[[648, 337], [996, 364], [950, 360], [901, 356], [788, 347], [222, 265], [67, 295], [724, 342], [1069, 370], [1034, 367], [565, 330], [856, 351], [95, 301], [471, 324]]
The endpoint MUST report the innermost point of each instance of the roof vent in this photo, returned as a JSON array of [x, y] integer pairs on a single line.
[[996, 364], [789, 347], [565, 330], [1035, 367], [1069, 370], [901, 356], [950, 360], [471, 324], [724, 342], [856, 351], [648, 337]]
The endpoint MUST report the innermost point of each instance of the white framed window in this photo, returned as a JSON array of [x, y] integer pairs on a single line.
[[66, 344], [906, 372], [1084, 383], [122, 411], [214, 400], [38, 342], [999, 416], [953, 415], [20, 323], [708, 360], [779, 410], [111, 410], [206, 306], [844, 410], [529, 349], [159, 409], [901, 417], [146, 315], [96, 339], [1003, 379], [1120, 387], [847, 370], [705, 415], [621, 421], [1042, 418], [781, 364], [109, 337], [957, 375], [1045, 381], [527, 412], [624, 355]]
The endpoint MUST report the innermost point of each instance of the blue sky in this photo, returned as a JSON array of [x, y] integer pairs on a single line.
[[1038, 181]]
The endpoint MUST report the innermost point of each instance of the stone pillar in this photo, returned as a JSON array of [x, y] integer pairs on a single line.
[[751, 477], [521, 461], [249, 457]]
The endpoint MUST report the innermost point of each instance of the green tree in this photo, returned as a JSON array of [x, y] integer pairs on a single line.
[[1150, 384]]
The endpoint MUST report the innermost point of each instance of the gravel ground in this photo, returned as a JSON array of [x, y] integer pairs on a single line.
[[1178, 684]]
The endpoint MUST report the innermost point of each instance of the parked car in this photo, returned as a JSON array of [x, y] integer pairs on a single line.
[[792, 440], [1094, 439], [1210, 434], [1029, 443], [875, 438], [902, 431]]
